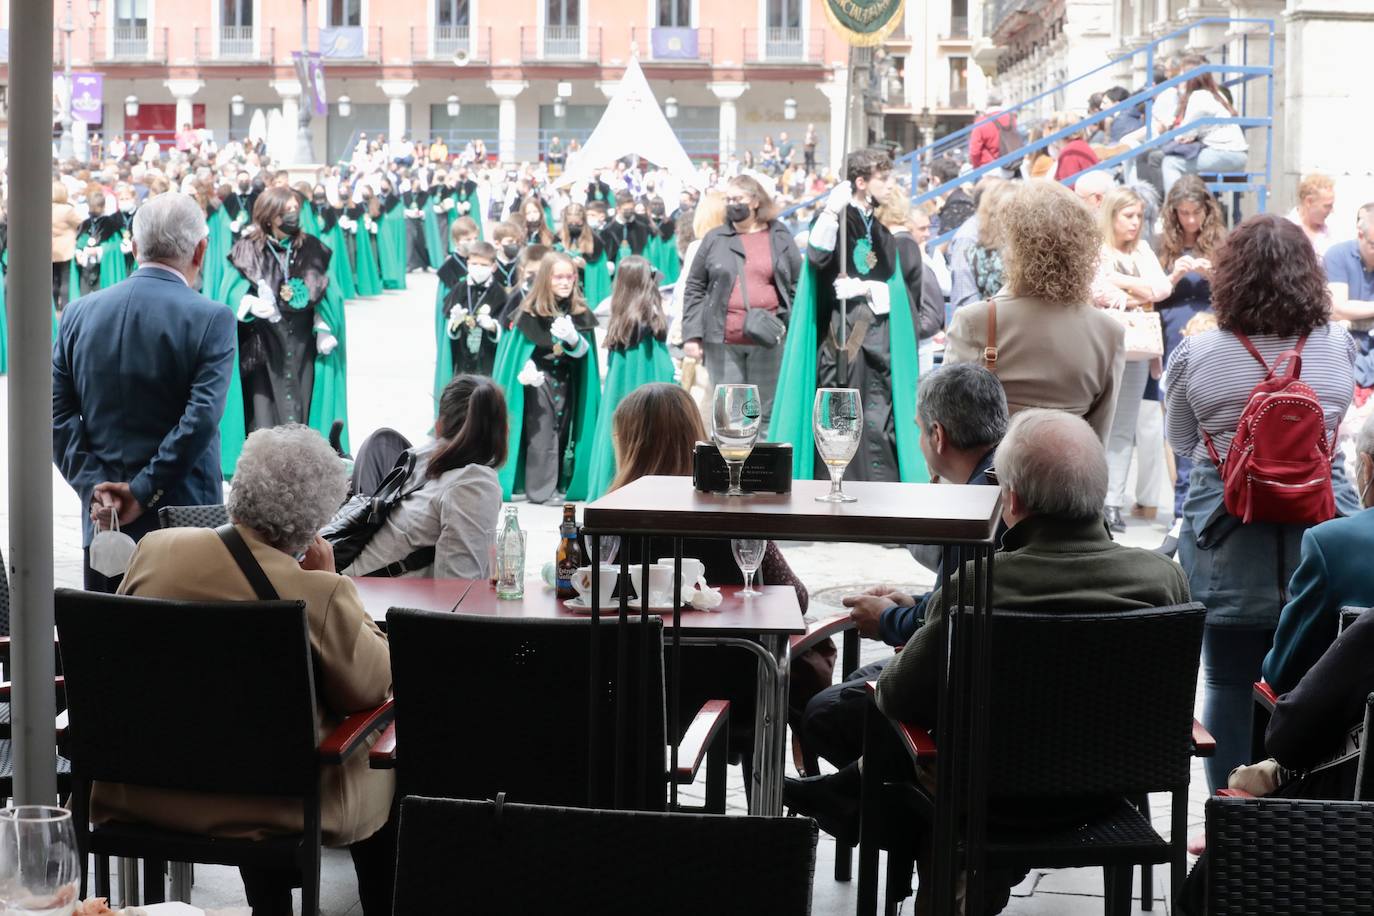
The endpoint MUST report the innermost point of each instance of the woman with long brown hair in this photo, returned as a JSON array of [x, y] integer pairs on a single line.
[[581, 243], [547, 365], [533, 222], [291, 336], [637, 355], [1212, 148]]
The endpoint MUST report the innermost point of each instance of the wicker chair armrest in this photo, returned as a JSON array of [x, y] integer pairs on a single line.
[[353, 731], [820, 631], [1264, 695], [710, 720], [383, 753], [1234, 793], [1204, 745], [59, 682], [918, 742]]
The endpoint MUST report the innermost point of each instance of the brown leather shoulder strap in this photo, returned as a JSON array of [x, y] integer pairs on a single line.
[[990, 351]]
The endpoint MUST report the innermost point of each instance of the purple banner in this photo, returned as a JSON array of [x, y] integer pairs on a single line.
[[310, 72], [674, 43], [88, 93]]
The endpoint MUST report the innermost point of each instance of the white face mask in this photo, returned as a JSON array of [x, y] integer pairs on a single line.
[[111, 552], [479, 274]]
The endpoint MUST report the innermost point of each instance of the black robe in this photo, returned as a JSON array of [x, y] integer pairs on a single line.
[[598, 249], [599, 190], [240, 204], [547, 432], [635, 234], [100, 229], [417, 252], [868, 345], [474, 351], [506, 275], [277, 359]]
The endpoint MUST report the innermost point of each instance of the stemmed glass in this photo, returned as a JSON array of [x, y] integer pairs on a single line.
[[748, 554], [838, 424], [735, 413], [39, 866], [609, 549]]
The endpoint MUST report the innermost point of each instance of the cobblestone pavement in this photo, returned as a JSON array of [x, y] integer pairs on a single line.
[[391, 364]]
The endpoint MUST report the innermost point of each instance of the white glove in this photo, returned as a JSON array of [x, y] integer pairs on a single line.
[[347, 224], [236, 226], [413, 214], [849, 288], [372, 227], [325, 342], [258, 307], [610, 267], [530, 375], [127, 246], [464, 207], [562, 329], [839, 195], [486, 322]]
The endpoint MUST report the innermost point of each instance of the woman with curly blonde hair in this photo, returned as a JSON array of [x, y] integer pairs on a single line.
[[1048, 344]]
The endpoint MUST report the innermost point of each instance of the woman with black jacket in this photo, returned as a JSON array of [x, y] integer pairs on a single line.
[[716, 326]]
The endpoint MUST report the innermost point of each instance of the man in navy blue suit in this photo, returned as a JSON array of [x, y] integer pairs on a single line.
[[140, 372]]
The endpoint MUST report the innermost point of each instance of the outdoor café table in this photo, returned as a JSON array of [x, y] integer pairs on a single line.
[[963, 519], [738, 622]]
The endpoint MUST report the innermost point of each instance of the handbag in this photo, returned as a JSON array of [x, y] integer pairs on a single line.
[[761, 326], [361, 517], [1144, 333]]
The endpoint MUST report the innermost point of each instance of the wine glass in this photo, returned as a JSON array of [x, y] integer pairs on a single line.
[[748, 554], [610, 549], [40, 869], [735, 413], [838, 424]]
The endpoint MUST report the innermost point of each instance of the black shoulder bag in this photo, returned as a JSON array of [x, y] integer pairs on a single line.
[[361, 517], [761, 326]]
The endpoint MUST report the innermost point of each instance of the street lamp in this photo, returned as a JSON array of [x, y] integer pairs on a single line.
[[670, 107], [236, 106], [131, 106], [453, 106], [560, 102], [789, 109], [345, 106], [65, 148]]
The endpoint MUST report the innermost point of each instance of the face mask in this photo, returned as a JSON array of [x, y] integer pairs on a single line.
[[574, 228], [111, 552], [127, 206], [321, 201], [291, 223], [479, 274], [533, 220], [510, 251], [737, 213], [243, 187]]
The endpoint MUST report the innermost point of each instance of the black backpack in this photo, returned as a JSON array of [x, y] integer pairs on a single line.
[[361, 517], [1009, 140]]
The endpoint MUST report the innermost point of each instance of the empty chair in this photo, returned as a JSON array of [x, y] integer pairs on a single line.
[[505, 858]]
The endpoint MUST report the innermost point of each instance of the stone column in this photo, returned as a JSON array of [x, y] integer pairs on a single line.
[[396, 92], [506, 92], [184, 90], [837, 91], [728, 93], [282, 145]]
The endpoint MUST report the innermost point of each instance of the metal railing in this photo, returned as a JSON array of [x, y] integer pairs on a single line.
[[560, 43], [446, 43], [236, 41], [130, 42], [240, 45], [783, 45], [127, 43], [450, 39]]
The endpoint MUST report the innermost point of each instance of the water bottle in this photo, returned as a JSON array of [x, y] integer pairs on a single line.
[[510, 558]]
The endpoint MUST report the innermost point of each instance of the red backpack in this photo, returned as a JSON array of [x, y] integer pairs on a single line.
[[1279, 466]]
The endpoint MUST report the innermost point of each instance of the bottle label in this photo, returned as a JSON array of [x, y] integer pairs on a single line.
[[567, 563]]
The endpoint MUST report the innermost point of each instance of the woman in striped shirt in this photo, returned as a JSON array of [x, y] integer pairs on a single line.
[[1267, 284]]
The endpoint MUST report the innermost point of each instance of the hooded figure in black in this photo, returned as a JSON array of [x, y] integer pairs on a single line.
[[288, 273], [628, 232]]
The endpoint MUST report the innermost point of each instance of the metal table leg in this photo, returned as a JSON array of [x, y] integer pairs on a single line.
[[181, 880], [777, 757], [128, 883]]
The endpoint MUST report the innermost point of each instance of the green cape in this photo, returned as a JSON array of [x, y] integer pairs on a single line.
[[443, 362], [514, 350], [340, 271], [434, 244], [366, 275], [391, 247], [793, 406], [475, 213], [114, 268], [328, 394], [217, 245], [662, 253], [626, 370]]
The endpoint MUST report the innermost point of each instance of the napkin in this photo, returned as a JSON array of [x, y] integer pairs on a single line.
[[705, 598]]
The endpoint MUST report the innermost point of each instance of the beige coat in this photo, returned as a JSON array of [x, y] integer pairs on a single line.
[[354, 674], [1061, 357], [65, 222]]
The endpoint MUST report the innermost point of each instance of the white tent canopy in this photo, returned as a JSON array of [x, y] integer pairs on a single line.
[[633, 124]]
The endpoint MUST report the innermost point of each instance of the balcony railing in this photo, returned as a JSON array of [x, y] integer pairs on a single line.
[[349, 43], [560, 43], [130, 42], [444, 43], [236, 41], [783, 45], [127, 43], [958, 28], [666, 45], [236, 44]]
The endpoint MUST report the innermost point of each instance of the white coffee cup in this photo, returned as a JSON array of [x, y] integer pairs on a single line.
[[660, 590], [582, 581], [692, 572]]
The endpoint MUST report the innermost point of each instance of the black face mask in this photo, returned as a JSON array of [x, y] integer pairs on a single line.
[[243, 187], [321, 201], [737, 213], [510, 251], [291, 223], [574, 228]]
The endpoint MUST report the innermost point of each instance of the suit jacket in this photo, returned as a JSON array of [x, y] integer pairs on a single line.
[[1064, 357], [353, 673], [1045, 564], [140, 376], [1330, 575]]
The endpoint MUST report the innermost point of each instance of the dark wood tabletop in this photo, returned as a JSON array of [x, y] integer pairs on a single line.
[[775, 612], [902, 513]]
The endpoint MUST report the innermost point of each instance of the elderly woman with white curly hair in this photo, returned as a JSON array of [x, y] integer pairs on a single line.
[[288, 483]]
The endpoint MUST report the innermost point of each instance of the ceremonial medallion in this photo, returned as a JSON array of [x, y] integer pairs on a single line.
[[864, 258], [285, 293], [557, 349]]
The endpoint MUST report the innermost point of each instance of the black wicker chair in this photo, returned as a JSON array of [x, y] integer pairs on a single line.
[[513, 716], [1069, 719], [193, 516], [1287, 855], [604, 862], [158, 698]]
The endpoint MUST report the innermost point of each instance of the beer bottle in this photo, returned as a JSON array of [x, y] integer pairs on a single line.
[[569, 556]]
